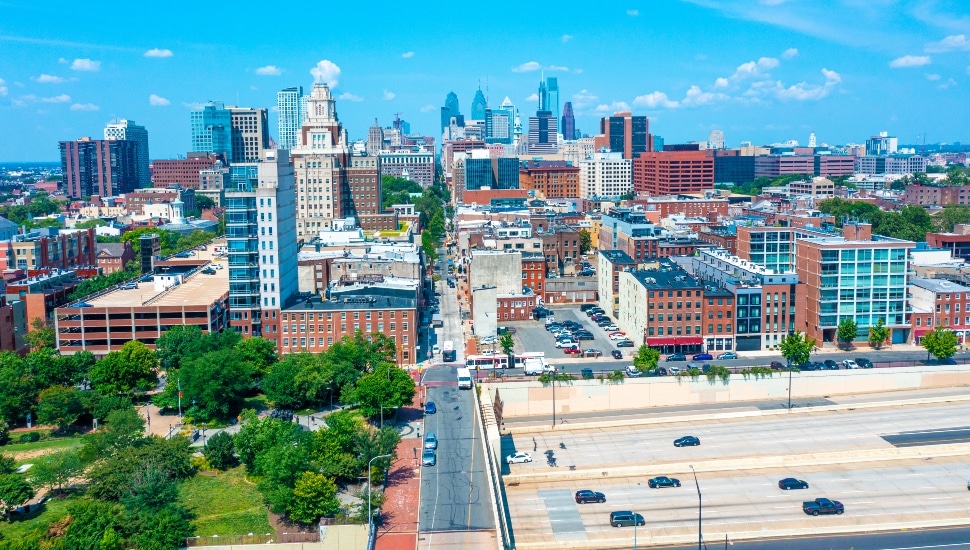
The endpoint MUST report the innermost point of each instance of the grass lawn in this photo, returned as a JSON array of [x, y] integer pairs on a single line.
[[258, 403], [46, 445], [225, 504], [54, 510]]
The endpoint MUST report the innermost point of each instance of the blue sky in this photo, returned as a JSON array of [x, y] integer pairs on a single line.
[[760, 70]]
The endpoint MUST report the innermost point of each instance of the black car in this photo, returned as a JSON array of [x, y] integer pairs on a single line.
[[676, 357], [808, 365], [624, 344], [586, 307], [626, 518], [209, 271], [831, 364], [617, 354], [586, 374], [687, 441], [553, 326], [790, 483], [585, 495], [863, 363], [777, 365], [587, 273], [662, 481], [583, 335]]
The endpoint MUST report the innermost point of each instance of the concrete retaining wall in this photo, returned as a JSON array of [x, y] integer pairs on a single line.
[[579, 396]]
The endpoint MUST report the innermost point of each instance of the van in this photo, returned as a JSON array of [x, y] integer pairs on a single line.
[[464, 379], [435, 350], [621, 519], [533, 366]]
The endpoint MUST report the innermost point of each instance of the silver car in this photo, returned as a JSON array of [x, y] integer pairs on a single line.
[[431, 441], [429, 458]]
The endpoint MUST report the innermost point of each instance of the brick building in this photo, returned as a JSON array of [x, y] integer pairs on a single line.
[[49, 248], [936, 195], [673, 172], [113, 257], [939, 303], [185, 172], [550, 179]]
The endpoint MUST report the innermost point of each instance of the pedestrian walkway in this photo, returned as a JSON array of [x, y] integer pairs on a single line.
[[399, 513]]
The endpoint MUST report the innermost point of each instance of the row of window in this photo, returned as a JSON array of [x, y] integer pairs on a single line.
[[945, 320], [368, 328], [343, 315], [686, 330]]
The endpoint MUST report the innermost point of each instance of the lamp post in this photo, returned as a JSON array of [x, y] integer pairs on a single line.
[[790, 333], [635, 523], [370, 516], [553, 374], [699, 508]]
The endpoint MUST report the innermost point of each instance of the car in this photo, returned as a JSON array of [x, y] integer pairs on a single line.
[[603, 322], [430, 408], [566, 344], [830, 364], [625, 343], [790, 483], [808, 365], [660, 482], [519, 457], [727, 355], [553, 326], [702, 357], [570, 323], [583, 335], [850, 364], [595, 311], [430, 441], [587, 273], [617, 337], [129, 286], [617, 354], [209, 271], [429, 457], [591, 352], [626, 519], [777, 365], [612, 327], [451, 283], [687, 441], [822, 506], [632, 372], [488, 340], [586, 307], [863, 363], [586, 373], [673, 371], [585, 495], [572, 351], [676, 357], [184, 254]]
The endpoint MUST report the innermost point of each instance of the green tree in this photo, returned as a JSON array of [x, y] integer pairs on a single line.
[[56, 469], [940, 342], [387, 387], [646, 358], [314, 496], [797, 348], [122, 428], [257, 435], [90, 522], [203, 202], [160, 529], [288, 381], [507, 343], [215, 385], [133, 367], [220, 452], [41, 335], [878, 334], [177, 344], [14, 491], [96, 222], [847, 331], [59, 406], [260, 353], [18, 391], [585, 241], [951, 215]]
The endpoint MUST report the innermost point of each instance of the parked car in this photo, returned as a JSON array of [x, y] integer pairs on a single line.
[[727, 355], [863, 363], [572, 350], [430, 408], [673, 371], [518, 457], [430, 441], [830, 364], [777, 365], [676, 357], [822, 506], [591, 352], [586, 307], [611, 327], [626, 519], [702, 357], [129, 286], [617, 336], [808, 365], [625, 344], [583, 335], [429, 457], [662, 481], [850, 364], [587, 273], [617, 354], [553, 327], [687, 441], [585, 495], [209, 271], [566, 343], [586, 373], [790, 483]]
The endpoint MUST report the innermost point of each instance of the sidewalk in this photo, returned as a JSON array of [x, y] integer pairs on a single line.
[[399, 529]]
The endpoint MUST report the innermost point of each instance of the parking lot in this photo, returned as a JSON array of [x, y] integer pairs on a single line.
[[533, 336]]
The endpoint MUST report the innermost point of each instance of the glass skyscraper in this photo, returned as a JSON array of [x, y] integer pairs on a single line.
[[291, 104], [212, 129], [479, 104]]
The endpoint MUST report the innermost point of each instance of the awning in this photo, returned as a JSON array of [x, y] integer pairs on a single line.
[[919, 332], [675, 341]]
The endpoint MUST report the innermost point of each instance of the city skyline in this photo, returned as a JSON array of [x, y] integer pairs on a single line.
[[762, 72]]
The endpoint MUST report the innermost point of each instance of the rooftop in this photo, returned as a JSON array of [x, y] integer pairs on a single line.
[[668, 276], [938, 285], [354, 302], [617, 257]]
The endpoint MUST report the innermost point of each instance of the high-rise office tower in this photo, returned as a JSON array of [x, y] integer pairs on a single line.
[[212, 129], [552, 95], [715, 140], [99, 167], [479, 105], [127, 130], [250, 133], [375, 139], [568, 126], [450, 110], [499, 125], [543, 96], [543, 132], [625, 133], [290, 103]]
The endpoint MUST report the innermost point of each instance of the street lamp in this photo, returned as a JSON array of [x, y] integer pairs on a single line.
[[370, 516], [699, 508]]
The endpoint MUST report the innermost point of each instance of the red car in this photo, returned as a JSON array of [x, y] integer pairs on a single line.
[[572, 350]]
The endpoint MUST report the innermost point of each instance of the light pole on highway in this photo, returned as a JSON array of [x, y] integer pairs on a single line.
[[370, 515], [699, 509]]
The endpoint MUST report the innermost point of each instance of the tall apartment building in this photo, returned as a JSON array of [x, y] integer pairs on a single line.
[[375, 139], [211, 126], [183, 172], [551, 179], [605, 175], [261, 242], [127, 130], [99, 167], [774, 247], [290, 105], [543, 138], [49, 248], [415, 165], [250, 133], [626, 134], [883, 144], [499, 124], [673, 172]]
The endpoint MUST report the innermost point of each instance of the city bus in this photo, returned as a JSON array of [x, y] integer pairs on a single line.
[[500, 361], [448, 353]]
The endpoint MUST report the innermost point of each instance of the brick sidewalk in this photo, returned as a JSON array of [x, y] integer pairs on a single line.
[[400, 513]]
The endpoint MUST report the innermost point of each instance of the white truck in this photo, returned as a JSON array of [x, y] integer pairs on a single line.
[[534, 366]]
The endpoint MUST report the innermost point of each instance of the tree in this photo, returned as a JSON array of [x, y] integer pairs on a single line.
[[122, 428], [941, 342], [90, 523], [203, 202], [260, 353], [161, 529], [215, 384], [796, 348], [314, 496], [177, 344], [14, 491], [507, 343], [585, 241], [41, 335], [54, 470], [132, 367], [951, 215], [646, 358], [878, 334], [219, 451], [388, 387], [59, 406], [258, 435], [847, 331], [287, 383]]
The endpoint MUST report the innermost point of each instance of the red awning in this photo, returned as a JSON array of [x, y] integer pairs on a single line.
[[675, 341], [919, 332]]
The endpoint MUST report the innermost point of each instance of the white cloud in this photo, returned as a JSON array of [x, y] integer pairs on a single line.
[[347, 96], [721, 82], [954, 43], [62, 98], [932, 76], [584, 96], [790, 53], [526, 67], [326, 72], [49, 79], [269, 70], [557, 68], [84, 107], [948, 84], [696, 97], [427, 108], [63, 61], [633, 13], [908, 61], [85, 64], [655, 99], [751, 69], [407, 55], [768, 62], [158, 101], [3, 88], [389, 95], [158, 52], [533, 97], [612, 107], [809, 92]]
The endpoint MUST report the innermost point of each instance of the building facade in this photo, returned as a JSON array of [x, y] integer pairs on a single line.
[[127, 130], [605, 175], [625, 134], [673, 172], [290, 105], [99, 167], [211, 126], [250, 133], [550, 179], [417, 166], [185, 172]]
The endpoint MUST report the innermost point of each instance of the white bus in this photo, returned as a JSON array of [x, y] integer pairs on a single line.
[[464, 379], [501, 361]]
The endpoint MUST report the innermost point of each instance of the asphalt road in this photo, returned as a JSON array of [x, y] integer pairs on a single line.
[[911, 539], [454, 493], [929, 437]]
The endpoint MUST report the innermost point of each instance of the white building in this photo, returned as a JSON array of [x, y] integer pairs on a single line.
[[605, 175], [291, 104]]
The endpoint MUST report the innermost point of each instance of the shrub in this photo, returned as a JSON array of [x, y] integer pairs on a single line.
[[30, 437], [220, 451]]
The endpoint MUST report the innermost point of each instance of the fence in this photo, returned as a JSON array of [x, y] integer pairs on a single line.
[[233, 540]]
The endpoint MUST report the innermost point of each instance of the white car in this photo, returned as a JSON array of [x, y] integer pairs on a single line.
[[518, 457], [611, 327], [850, 364], [618, 336], [673, 371], [566, 344]]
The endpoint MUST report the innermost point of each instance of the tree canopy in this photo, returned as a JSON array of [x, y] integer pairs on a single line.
[[797, 348], [940, 342]]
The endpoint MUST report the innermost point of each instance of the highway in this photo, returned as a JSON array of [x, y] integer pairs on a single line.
[[918, 539]]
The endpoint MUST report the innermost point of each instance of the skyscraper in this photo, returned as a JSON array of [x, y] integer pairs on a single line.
[[811, 140], [290, 102], [250, 133], [568, 126], [375, 139], [127, 130], [212, 129], [99, 167], [625, 133], [552, 95], [478, 106], [450, 110], [499, 125]]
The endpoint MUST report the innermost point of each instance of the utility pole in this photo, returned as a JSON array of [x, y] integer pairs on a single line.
[[699, 510]]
